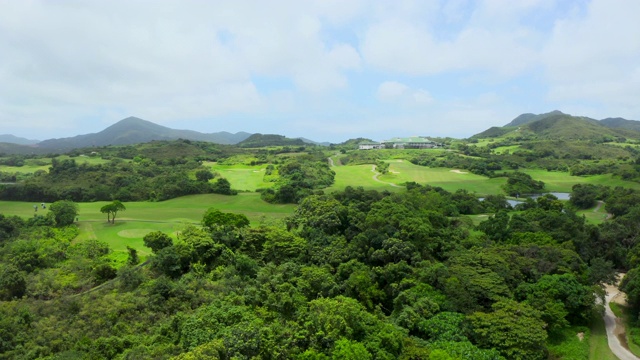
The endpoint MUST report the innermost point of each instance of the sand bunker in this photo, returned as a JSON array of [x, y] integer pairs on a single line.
[[458, 171]]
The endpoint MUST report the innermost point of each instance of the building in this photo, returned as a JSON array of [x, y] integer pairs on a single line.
[[414, 142], [369, 145]]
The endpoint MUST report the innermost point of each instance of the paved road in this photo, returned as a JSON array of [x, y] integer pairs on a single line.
[[616, 335]]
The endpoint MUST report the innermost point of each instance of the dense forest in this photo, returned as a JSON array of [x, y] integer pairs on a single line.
[[351, 274], [356, 274]]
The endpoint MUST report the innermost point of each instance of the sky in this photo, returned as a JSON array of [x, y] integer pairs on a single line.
[[327, 70]]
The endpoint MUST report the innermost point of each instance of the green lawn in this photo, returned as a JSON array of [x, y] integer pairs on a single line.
[[598, 344], [594, 217], [33, 165], [168, 216], [557, 181], [242, 177], [506, 149], [401, 171]]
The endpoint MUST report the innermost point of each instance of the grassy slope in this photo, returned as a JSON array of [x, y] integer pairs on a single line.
[[168, 216], [598, 344], [242, 177], [33, 165]]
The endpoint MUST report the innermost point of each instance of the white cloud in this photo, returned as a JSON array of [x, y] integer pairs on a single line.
[[593, 58], [492, 41], [396, 92]]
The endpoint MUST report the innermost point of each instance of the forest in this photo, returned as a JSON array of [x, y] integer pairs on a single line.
[[412, 272]]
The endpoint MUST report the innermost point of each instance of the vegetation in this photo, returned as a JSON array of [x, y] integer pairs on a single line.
[[387, 254]]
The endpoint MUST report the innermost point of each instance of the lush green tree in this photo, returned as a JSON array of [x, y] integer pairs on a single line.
[[112, 210], [64, 212], [515, 329], [215, 218], [583, 196], [204, 175], [222, 186], [347, 350], [382, 167], [519, 183], [132, 258], [13, 283], [157, 240]]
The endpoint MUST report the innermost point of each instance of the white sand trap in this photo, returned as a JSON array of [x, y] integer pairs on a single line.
[[458, 171]]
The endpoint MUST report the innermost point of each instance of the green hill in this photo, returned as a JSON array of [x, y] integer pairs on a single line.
[[529, 118], [264, 140], [559, 126]]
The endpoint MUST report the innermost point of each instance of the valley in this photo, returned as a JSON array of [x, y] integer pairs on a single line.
[[415, 252]]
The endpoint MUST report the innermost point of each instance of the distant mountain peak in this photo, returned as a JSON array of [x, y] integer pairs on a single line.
[[133, 130], [529, 117]]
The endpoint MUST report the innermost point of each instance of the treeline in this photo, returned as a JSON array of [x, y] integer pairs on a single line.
[[298, 177], [357, 274], [118, 179]]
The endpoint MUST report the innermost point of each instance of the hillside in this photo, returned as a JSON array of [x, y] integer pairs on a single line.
[[559, 126], [133, 130], [620, 123], [529, 118], [11, 139], [262, 140]]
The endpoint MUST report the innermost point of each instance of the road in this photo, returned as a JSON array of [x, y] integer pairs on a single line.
[[616, 335]]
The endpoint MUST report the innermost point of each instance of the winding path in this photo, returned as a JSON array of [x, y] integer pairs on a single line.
[[375, 177], [616, 335]]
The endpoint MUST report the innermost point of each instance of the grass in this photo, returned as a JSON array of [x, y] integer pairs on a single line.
[[168, 216], [598, 343], [33, 165], [242, 177], [567, 345], [401, 171], [557, 181], [506, 149], [592, 216]]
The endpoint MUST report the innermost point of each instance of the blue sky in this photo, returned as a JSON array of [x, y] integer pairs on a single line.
[[325, 70]]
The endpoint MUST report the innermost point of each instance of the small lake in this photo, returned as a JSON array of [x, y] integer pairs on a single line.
[[559, 195]]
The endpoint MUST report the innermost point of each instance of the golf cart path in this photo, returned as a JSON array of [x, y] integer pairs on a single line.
[[616, 334], [375, 177]]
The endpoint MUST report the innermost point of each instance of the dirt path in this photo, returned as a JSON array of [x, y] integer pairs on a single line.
[[331, 164], [616, 334], [600, 203], [375, 177]]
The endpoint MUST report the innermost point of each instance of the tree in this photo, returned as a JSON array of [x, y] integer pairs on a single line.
[[112, 210], [215, 218], [222, 186], [157, 240], [382, 167], [64, 212], [133, 258], [204, 175], [515, 329]]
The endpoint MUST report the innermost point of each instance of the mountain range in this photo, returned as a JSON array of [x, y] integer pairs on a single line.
[[558, 125], [132, 130]]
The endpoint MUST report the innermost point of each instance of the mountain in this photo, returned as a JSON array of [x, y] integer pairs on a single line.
[[133, 130], [620, 123], [528, 118], [314, 142], [557, 125], [7, 138]]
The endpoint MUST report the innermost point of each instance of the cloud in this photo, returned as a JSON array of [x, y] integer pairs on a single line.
[[491, 40], [593, 57], [399, 93]]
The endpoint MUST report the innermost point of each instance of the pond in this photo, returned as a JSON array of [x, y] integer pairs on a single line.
[[559, 195]]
